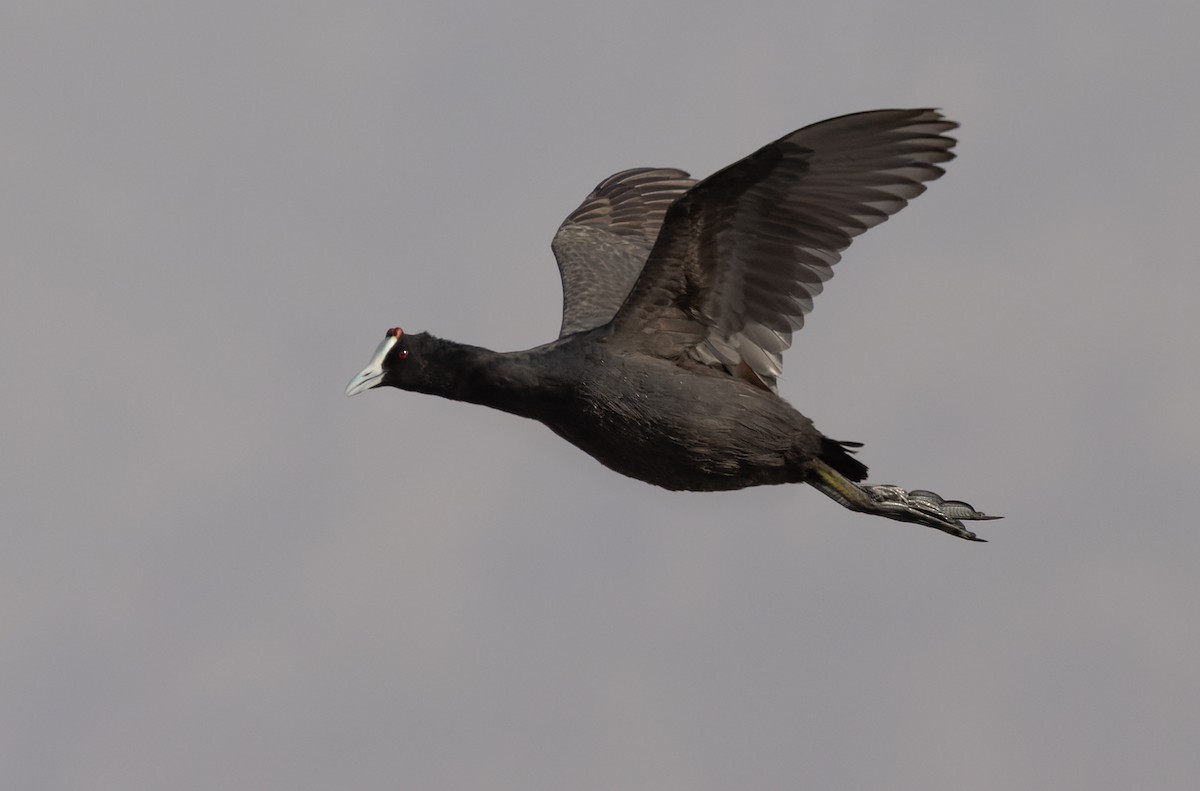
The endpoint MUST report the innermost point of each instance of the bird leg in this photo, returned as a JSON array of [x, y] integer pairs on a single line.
[[920, 506]]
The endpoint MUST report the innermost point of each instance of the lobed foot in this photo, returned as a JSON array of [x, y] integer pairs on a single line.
[[925, 508], [919, 505]]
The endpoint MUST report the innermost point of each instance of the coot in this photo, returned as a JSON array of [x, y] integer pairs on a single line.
[[679, 298]]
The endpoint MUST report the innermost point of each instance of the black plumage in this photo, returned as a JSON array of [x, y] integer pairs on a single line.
[[679, 298]]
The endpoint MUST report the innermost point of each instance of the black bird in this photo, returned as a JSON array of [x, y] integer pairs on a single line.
[[679, 298]]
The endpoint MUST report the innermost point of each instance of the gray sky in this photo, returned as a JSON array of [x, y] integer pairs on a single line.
[[218, 572]]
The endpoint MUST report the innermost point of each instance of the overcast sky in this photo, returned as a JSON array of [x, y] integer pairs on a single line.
[[219, 573]]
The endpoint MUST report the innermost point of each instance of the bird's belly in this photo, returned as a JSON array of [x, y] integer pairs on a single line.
[[688, 452]]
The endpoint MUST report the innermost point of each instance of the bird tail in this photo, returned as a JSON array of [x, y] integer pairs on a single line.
[[837, 455]]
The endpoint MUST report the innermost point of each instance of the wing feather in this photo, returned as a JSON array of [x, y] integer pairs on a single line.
[[741, 255], [602, 246]]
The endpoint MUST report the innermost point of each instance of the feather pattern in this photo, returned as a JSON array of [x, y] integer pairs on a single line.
[[602, 246], [741, 255]]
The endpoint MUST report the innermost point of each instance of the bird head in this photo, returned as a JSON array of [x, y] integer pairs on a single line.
[[386, 365]]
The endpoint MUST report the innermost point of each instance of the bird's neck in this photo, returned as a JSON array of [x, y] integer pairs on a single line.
[[510, 381]]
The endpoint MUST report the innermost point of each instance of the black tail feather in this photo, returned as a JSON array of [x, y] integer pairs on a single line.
[[837, 455]]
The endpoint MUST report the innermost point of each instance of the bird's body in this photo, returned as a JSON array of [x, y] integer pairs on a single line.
[[718, 434], [679, 299], [684, 428]]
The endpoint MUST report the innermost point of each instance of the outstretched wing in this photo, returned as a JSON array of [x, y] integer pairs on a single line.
[[602, 246], [742, 254]]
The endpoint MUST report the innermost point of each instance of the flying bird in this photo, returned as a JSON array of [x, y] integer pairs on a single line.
[[679, 299]]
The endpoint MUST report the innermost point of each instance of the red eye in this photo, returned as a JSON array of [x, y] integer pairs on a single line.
[[402, 354]]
